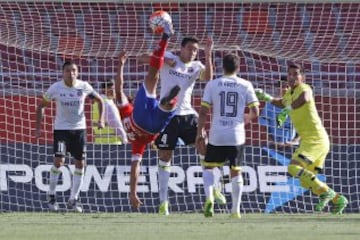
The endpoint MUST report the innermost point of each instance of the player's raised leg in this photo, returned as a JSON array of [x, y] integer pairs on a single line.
[[157, 59], [168, 102]]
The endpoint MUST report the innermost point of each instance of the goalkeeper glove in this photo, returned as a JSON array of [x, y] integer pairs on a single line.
[[282, 116], [263, 96]]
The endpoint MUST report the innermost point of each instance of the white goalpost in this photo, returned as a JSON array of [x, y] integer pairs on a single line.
[[37, 37]]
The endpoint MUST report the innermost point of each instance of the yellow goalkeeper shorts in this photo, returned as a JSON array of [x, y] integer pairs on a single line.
[[312, 155]]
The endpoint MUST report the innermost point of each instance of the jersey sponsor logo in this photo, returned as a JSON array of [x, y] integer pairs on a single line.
[[178, 74], [70, 103]]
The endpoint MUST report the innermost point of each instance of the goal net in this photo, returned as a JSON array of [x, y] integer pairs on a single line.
[[37, 37]]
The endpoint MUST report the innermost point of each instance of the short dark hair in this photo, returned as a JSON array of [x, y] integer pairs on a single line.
[[231, 63], [189, 39], [297, 66], [68, 63], [108, 84]]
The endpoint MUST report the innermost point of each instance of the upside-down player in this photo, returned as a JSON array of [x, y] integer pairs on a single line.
[[144, 119], [308, 160]]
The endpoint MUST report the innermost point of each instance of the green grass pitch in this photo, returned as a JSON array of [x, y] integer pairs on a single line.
[[133, 226]]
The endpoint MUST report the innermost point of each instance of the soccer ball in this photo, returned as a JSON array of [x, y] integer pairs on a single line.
[[157, 21]]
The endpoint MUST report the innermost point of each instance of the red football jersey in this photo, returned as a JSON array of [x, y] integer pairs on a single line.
[[138, 137]]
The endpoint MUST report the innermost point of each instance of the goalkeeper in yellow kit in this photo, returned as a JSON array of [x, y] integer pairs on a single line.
[[308, 160]]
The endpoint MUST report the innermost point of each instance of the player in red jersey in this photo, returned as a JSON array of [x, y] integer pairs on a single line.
[[146, 117]]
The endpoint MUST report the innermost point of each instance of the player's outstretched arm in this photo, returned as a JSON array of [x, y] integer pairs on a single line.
[[254, 112], [134, 175], [208, 73], [39, 116], [282, 116], [119, 80], [304, 97], [263, 96], [101, 109], [118, 126], [201, 138]]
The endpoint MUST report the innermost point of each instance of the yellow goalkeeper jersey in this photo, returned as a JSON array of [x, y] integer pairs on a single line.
[[306, 119]]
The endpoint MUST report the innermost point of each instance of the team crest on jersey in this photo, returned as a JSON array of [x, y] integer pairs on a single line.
[[190, 70], [79, 93]]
